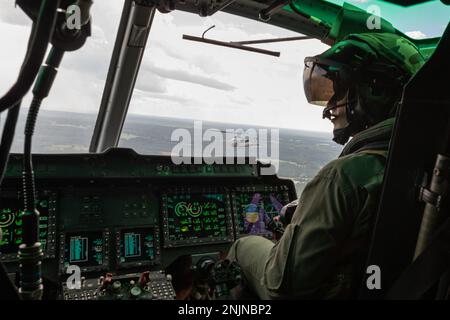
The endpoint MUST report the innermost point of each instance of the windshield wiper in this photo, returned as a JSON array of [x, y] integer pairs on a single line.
[[242, 45]]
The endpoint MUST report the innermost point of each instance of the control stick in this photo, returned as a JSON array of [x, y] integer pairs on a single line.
[[222, 276]]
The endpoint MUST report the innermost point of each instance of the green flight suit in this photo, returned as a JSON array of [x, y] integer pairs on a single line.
[[323, 249]]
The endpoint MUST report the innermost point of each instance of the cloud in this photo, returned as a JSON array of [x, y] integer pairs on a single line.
[[416, 34], [11, 15], [203, 62], [98, 35], [143, 96], [240, 100], [93, 57], [208, 65], [187, 76], [148, 82]]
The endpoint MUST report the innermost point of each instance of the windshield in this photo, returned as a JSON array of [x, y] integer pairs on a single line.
[[182, 82], [179, 81]]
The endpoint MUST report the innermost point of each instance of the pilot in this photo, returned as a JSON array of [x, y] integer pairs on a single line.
[[322, 253]]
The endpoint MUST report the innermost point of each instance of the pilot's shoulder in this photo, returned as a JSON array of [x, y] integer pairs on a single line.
[[356, 168]]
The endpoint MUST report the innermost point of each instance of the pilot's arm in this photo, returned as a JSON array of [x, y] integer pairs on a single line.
[[324, 233], [303, 261]]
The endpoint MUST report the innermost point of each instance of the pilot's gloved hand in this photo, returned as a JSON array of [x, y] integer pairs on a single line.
[[286, 213]]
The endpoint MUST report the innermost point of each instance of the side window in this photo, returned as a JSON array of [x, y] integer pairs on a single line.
[[67, 117]]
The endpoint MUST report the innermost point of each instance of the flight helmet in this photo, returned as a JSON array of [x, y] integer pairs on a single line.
[[365, 73]]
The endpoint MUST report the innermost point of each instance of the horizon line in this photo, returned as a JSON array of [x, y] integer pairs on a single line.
[[191, 119]]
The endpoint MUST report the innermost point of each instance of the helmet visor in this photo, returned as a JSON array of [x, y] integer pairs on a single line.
[[318, 87], [320, 82]]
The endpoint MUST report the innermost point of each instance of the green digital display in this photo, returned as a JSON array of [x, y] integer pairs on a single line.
[[195, 216], [137, 245], [11, 223], [132, 245], [84, 249], [79, 249]]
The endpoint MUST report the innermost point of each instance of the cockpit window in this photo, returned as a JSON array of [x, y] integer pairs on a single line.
[[418, 19], [67, 117], [179, 82], [183, 81]]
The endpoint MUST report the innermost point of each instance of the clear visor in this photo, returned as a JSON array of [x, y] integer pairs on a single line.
[[318, 84]]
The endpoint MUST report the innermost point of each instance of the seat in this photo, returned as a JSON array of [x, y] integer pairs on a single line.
[[421, 132]]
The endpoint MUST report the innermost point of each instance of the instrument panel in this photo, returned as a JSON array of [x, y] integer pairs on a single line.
[[127, 212], [11, 204]]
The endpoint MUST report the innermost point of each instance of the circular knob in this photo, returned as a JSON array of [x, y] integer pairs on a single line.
[[117, 285], [135, 292]]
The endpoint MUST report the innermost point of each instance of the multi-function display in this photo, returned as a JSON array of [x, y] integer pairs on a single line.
[[137, 246], [11, 223], [196, 218]]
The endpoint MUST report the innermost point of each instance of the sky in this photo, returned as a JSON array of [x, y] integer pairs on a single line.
[[180, 78]]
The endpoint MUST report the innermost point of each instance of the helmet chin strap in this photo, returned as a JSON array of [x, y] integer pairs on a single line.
[[342, 135], [355, 125]]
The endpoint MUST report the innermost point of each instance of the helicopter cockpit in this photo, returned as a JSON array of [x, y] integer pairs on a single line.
[[111, 223]]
